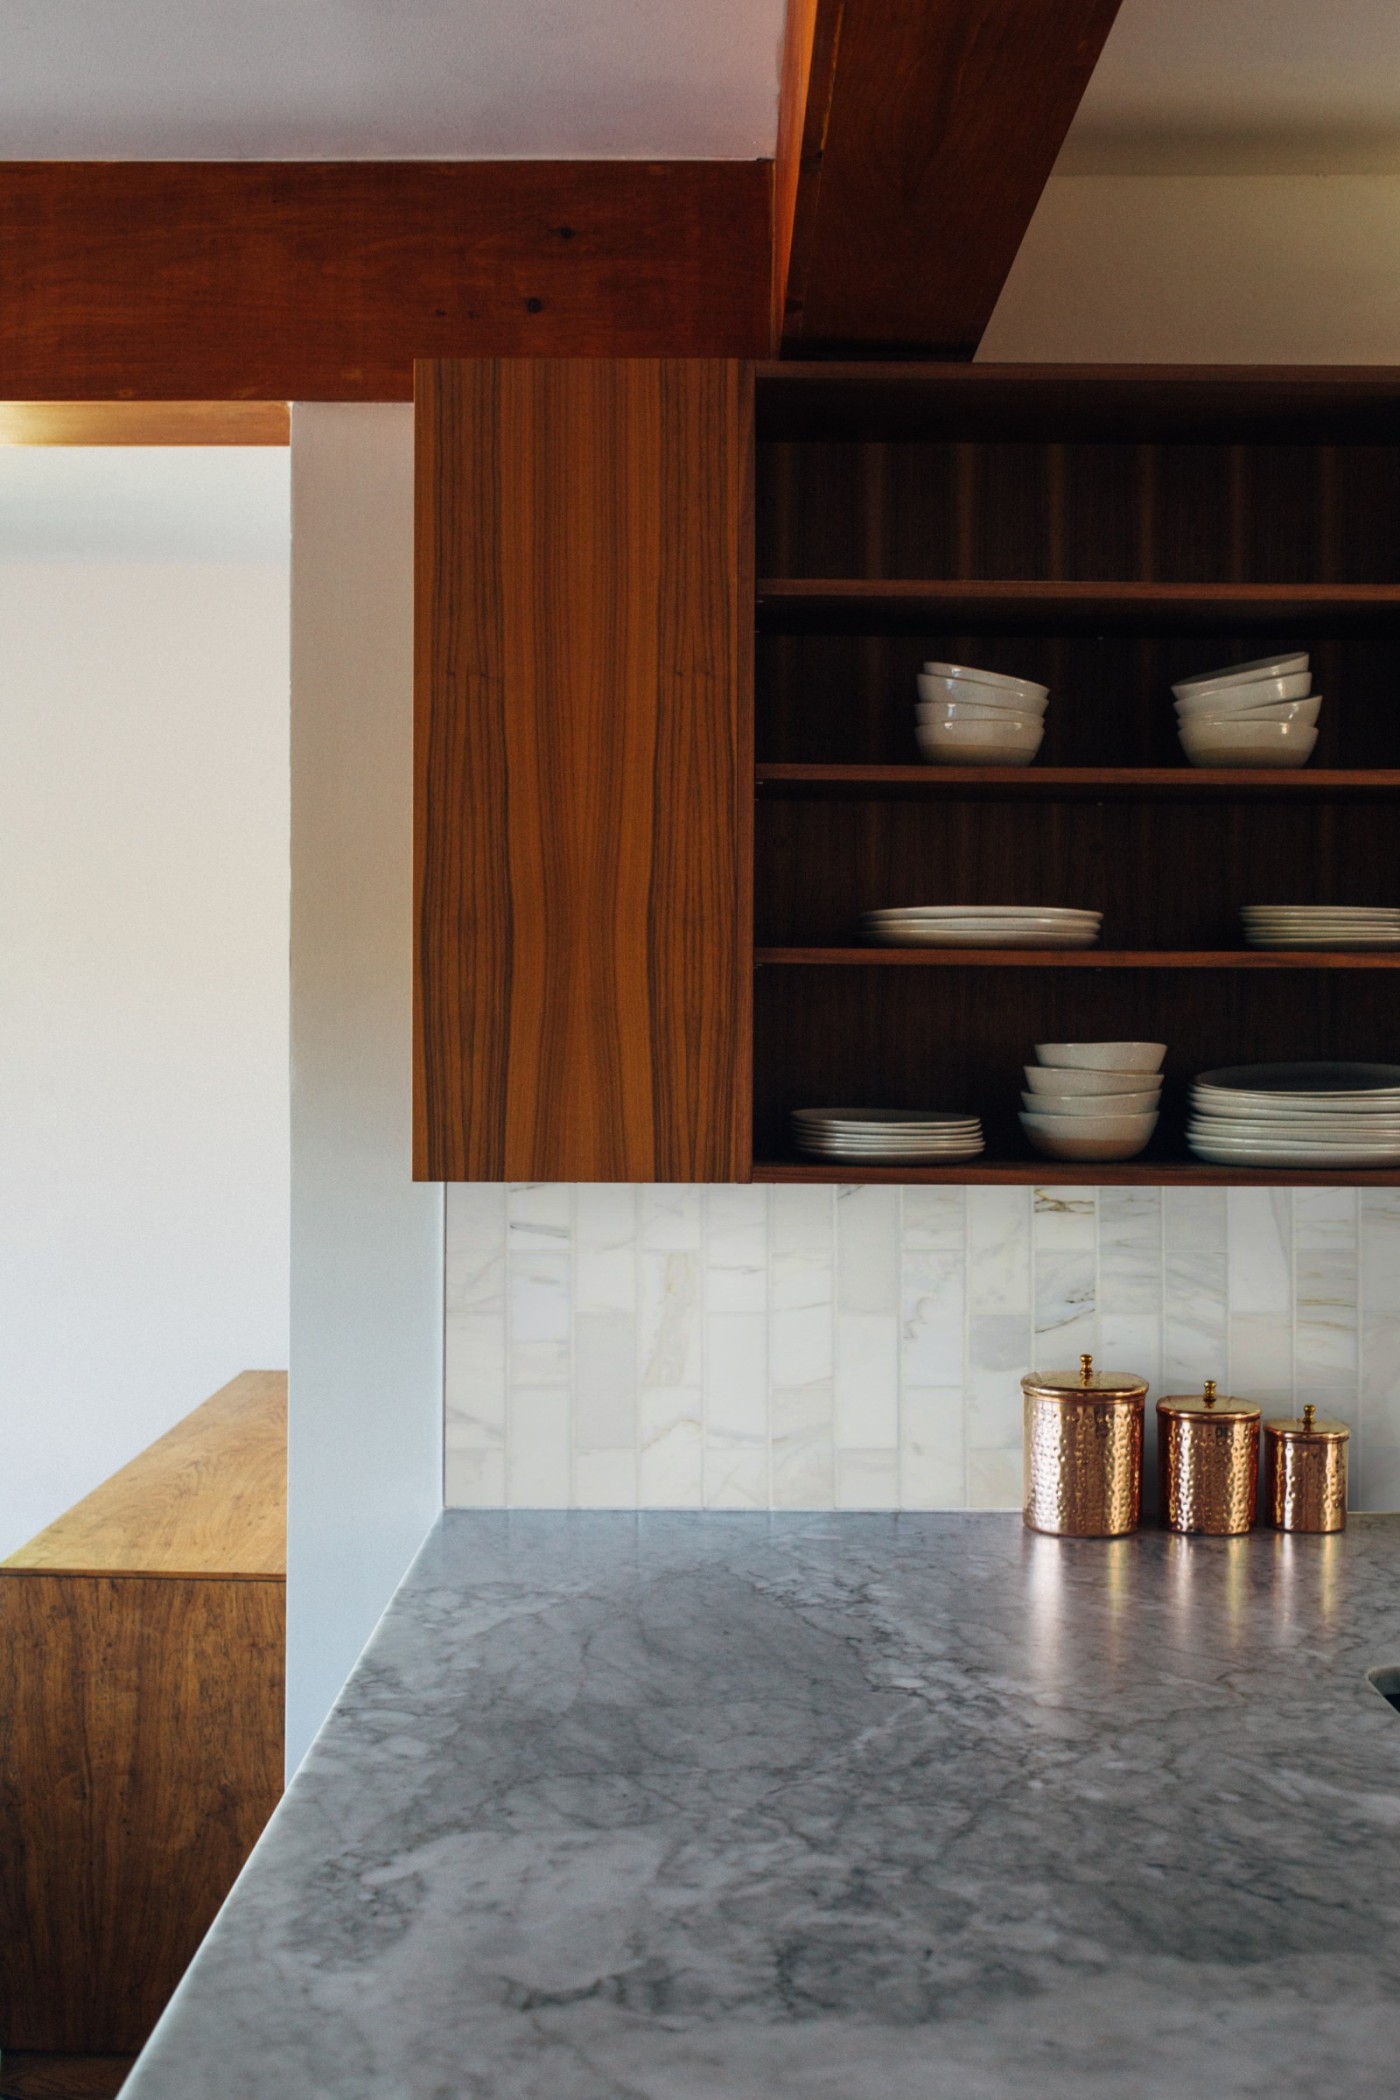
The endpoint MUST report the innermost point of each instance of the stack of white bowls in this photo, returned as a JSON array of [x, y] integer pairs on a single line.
[[1259, 714], [982, 926], [889, 1136], [1304, 1115], [1360, 926], [1094, 1101], [978, 718]]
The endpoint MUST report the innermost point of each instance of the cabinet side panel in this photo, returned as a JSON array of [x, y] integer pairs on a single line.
[[584, 769], [140, 1756]]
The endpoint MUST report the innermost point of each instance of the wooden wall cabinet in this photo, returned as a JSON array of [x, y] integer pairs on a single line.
[[142, 1641], [594, 897]]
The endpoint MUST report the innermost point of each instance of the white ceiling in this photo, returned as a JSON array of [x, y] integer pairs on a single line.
[[398, 79], [165, 503], [1243, 86]]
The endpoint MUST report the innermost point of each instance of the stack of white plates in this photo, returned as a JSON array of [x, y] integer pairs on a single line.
[[1259, 714], [894, 1136], [1304, 1115], [982, 926], [1321, 925]]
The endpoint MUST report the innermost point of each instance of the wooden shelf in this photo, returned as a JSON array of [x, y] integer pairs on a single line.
[[835, 604], [1078, 958], [1078, 783], [1062, 1173]]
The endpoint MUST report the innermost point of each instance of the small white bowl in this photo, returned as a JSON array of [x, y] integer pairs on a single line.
[[999, 678], [1251, 692], [1244, 674], [1088, 1137], [1239, 743], [1141, 1104], [1103, 1057], [1017, 699], [1012, 743], [1303, 712], [1062, 1081], [970, 711]]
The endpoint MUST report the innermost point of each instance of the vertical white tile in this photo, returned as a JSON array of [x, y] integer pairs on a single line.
[[1376, 1466], [1326, 1278], [671, 1217], [474, 1479], [931, 1326], [605, 1381], [932, 1473], [867, 1480], [1064, 1253], [867, 1381], [538, 1470], [540, 1316], [671, 1453], [736, 1250], [999, 1249], [999, 1346], [803, 1446], [474, 1259], [1194, 1306], [539, 1213], [1260, 1242], [474, 1345], [1130, 1253], [669, 1349], [994, 1480], [605, 1480], [736, 1410], [867, 1250], [605, 1248], [933, 1219]]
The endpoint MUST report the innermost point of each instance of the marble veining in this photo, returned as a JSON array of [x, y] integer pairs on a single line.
[[710, 1807]]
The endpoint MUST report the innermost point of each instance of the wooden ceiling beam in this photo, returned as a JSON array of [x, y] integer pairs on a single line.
[[915, 138], [324, 281], [144, 423]]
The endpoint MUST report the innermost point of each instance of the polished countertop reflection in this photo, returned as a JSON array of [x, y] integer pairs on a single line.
[[707, 1807]]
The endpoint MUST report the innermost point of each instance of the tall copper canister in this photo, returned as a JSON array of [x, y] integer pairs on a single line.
[[1084, 1451], [1305, 1473], [1207, 1462]]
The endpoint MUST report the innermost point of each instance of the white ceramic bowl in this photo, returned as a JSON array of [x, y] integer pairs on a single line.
[[1062, 1081], [1239, 743], [997, 678], [1252, 692], [1088, 1137], [1011, 743], [1303, 712], [1103, 1057], [1020, 700], [1092, 1104], [972, 711], [1244, 674], [1222, 708]]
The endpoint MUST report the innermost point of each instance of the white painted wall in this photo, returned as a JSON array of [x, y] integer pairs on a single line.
[[1205, 269], [143, 951], [367, 1256]]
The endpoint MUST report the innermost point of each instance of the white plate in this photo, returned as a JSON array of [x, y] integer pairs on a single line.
[[999, 936], [1387, 1133], [1223, 1154], [1332, 1077], [1363, 944]]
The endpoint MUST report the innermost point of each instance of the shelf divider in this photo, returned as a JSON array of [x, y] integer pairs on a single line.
[[1077, 958], [1077, 783], [843, 604], [1058, 1173]]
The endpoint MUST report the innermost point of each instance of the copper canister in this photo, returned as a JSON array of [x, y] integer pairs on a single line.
[[1305, 1473], [1084, 1451], [1207, 1462]]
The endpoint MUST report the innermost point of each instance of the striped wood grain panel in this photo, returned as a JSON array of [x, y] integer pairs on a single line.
[[584, 770]]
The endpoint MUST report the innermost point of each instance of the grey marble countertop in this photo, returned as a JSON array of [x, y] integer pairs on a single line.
[[830, 1808]]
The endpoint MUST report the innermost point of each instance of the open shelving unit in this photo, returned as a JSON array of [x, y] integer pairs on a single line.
[[1107, 533]]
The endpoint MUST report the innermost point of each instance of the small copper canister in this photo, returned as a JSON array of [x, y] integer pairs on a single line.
[[1084, 1451], [1207, 1462], [1305, 1473]]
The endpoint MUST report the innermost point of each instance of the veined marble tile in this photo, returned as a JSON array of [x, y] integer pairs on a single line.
[[1195, 1220], [995, 1480], [1065, 1307], [1375, 1482], [539, 1213], [1194, 1330], [605, 1248], [932, 1468], [802, 1219], [736, 1250], [669, 1350], [931, 1326], [999, 1356], [803, 1454], [736, 1379], [867, 1249], [538, 1473], [867, 1480], [1261, 1356], [474, 1279], [671, 1217], [1259, 1226], [605, 1383], [933, 1219], [1130, 1251], [999, 1249], [1133, 1342], [474, 1479], [801, 1322], [605, 1480], [867, 1381], [1064, 1220], [671, 1452], [736, 1473], [541, 1300], [1380, 1250], [1326, 1289], [474, 1382]]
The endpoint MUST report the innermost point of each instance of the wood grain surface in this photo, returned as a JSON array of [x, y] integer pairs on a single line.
[[207, 1498], [323, 281], [584, 770], [145, 423], [27, 2074], [928, 133], [140, 1756]]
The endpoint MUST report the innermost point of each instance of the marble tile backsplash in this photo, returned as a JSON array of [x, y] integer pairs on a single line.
[[861, 1347]]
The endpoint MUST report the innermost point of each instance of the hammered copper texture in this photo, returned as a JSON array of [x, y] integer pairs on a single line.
[[1084, 1464], [1306, 1482], [1208, 1472]]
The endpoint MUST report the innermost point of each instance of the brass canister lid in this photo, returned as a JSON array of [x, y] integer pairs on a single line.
[[1208, 1405], [1309, 1429], [1086, 1381]]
